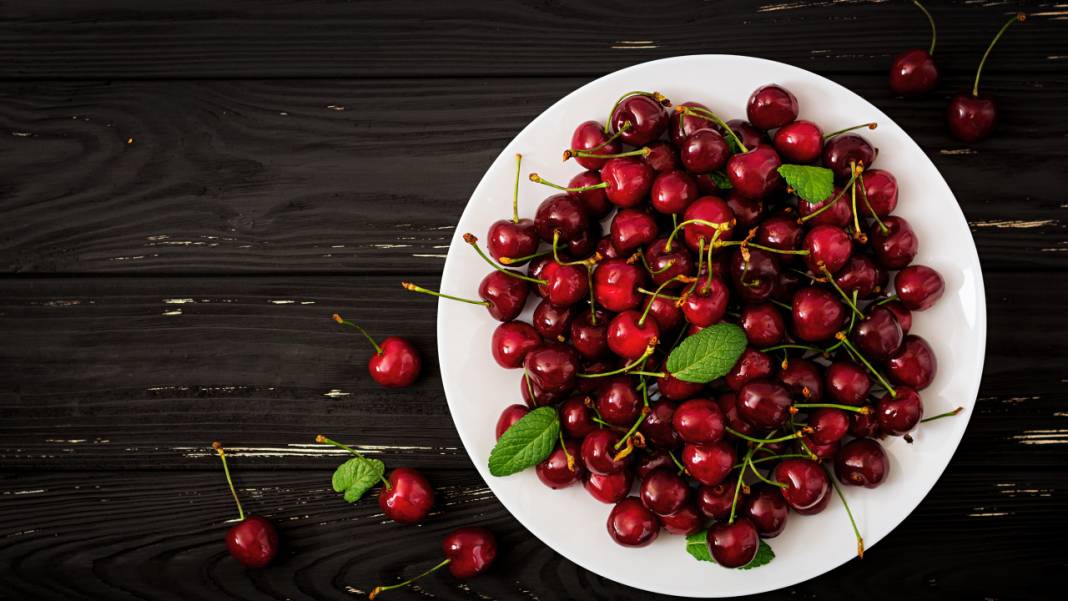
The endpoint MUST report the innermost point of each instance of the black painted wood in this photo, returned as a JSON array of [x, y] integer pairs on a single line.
[[188, 190]]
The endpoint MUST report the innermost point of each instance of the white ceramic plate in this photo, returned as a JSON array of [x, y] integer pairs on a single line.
[[572, 522]]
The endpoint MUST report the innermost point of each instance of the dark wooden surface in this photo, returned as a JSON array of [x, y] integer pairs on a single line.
[[188, 190]]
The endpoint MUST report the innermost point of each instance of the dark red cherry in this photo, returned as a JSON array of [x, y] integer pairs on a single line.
[[618, 402], [828, 246], [553, 367], [914, 364], [253, 541], [862, 462], [564, 285], [536, 270], [771, 106], [823, 452], [899, 414], [913, 73], [763, 324], [728, 404], [590, 135], [666, 265], [704, 150], [598, 452], [754, 280], [709, 463], [747, 211], [807, 488], [801, 375], [632, 228], [799, 142], [632, 525], [698, 421], [880, 188], [896, 247], [609, 488], [752, 365], [902, 313], [576, 417], [534, 396], [606, 249], [676, 389], [847, 383], [511, 342], [781, 231], [754, 174], [615, 285], [860, 273], [652, 460], [629, 180], [553, 322], [556, 472], [839, 213], [733, 545], [663, 311], [840, 151], [828, 425], [715, 501], [818, 314], [687, 520], [971, 118], [707, 304], [589, 335], [507, 238], [408, 498], [662, 157], [683, 124], [672, 192], [878, 335], [506, 295], [470, 551], [595, 200], [397, 365], [628, 337], [865, 425], [656, 427], [919, 287], [766, 508], [751, 137], [510, 415], [664, 491], [563, 213], [707, 208], [647, 118], [764, 403]]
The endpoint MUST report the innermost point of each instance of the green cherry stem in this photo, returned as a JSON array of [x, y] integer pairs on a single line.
[[930, 19], [593, 301], [830, 279], [782, 304], [852, 522], [678, 464], [773, 458], [626, 126], [761, 477], [649, 305], [378, 590], [413, 288], [800, 347], [762, 441], [779, 251], [473, 241], [537, 179], [649, 268], [657, 96], [341, 320], [319, 438], [1021, 17], [738, 484], [838, 196], [857, 233], [660, 294], [849, 345], [704, 222], [889, 299], [849, 330], [707, 114], [633, 429], [513, 260], [864, 195], [941, 415], [849, 129], [586, 154], [515, 191], [625, 369], [226, 469], [864, 410]]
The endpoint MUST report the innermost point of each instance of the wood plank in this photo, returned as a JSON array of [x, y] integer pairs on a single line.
[[294, 176], [199, 38], [143, 373]]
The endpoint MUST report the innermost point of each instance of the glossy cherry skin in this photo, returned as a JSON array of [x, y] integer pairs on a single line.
[[687, 520], [913, 73], [728, 404], [653, 460], [754, 280], [763, 324], [510, 415], [590, 339], [971, 118], [505, 294], [807, 488], [709, 463], [896, 247], [865, 425], [631, 229], [564, 285], [615, 285], [799, 142], [632, 525], [647, 118], [554, 471], [563, 213], [663, 311], [662, 157], [915, 364], [801, 375], [397, 366], [534, 396], [628, 337], [880, 188], [681, 125], [618, 401], [860, 273], [656, 427], [595, 201], [470, 551], [512, 239], [902, 313], [862, 462], [668, 264], [781, 231], [840, 151], [829, 246], [751, 137], [576, 417], [824, 452], [771, 106], [839, 214], [707, 304], [712, 209], [878, 335], [676, 389], [664, 491], [609, 488], [828, 425], [408, 498], [629, 180], [733, 545], [672, 192], [511, 342], [704, 150], [552, 322], [818, 314], [764, 403], [715, 501], [552, 366], [752, 365], [589, 135], [755, 174], [253, 541], [766, 508], [698, 421], [846, 383], [919, 287], [598, 452], [747, 211], [899, 414]]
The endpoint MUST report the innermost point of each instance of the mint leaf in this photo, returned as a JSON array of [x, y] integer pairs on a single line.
[[356, 476], [763, 556], [697, 546], [813, 184], [526, 443], [721, 180], [708, 354]]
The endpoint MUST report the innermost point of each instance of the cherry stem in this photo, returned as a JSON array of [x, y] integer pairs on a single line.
[[678, 464], [889, 299], [761, 441], [1021, 17], [707, 114], [864, 195], [781, 304], [593, 300], [626, 125], [657, 96], [858, 234], [649, 268], [413, 288], [872, 125], [849, 345], [563, 447], [226, 469], [738, 485], [648, 351], [660, 294], [515, 191], [813, 214], [864, 410], [473, 241], [586, 154], [800, 347], [633, 429], [941, 415], [834, 284], [773, 458], [319, 438], [651, 374], [345, 322], [760, 476], [849, 330], [723, 243], [649, 305], [514, 260], [852, 522], [378, 590], [534, 177], [679, 227]]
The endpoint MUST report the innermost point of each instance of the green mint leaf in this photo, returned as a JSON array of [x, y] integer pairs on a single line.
[[708, 354], [697, 546], [813, 184], [721, 180], [356, 476], [526, 443], [763, 556]]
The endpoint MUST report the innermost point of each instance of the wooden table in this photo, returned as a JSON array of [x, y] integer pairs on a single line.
[[189, 189]]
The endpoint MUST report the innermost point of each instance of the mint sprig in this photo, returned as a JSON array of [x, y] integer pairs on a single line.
[[708, 354], [526, 443], [697, 547], [356, 476], [813, 184], [721, 180]]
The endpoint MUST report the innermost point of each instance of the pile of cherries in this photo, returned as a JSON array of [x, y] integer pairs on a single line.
[[679, 221]]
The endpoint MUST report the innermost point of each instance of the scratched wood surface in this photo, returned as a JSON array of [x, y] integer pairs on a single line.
[[188, 190]]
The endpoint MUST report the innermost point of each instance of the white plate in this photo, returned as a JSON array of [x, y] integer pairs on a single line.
[[572, 522]]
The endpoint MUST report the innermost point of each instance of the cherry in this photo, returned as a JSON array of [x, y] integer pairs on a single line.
[[707, 304], [861, 274], [653, 460], [561, 468], [629, 337], [828, 247], [599, 453], [536, 270], [841, 152], [665, 313], [839, 213], [818, 314], [698, 421], [645, 113], [551, 321], [534, 396], [914, 72], [747, 211], [914, 364], [628, 180], [510, 415], [606, 249], [504, 295], [589, 334], [750, 136], [754, 280], [865, 425], [878, 335], [862, 462], [618, 402], [682, 124], [806, 483], [576, 417], [253, 541], [752, 365], [847, 383], [609, 488], [395, 364], [823, 452], [511, 341], [766, 508], [657, 428], [563, 213], [565, 284], [704, 150], [468, 553], [879, 188], [552, 367], [672, 192], [512, 239], [594, 200], [707, 208], [709, 463], [801, 375], [407, 498], [685, 521], [800, 141], [780, 231], [715, 501], [632, 228], [733, 544], [616, 283], [583, 245], [899, 414], [902, 313], [662, 157], [632, 525], [676, 389], [728, 404], [664, 491], [764, 403], [828, 425], [763, 324], [665, 264], [771, 106], [919, 287], [590, 135], [972, 117], [754, 174], [896, 247]]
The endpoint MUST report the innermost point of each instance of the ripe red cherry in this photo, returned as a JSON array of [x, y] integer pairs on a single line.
[[656, 427], [552, 367], [800, 141], [632, 228], [683, 124], [728, 404], [628, 337], [754, 174], [715, 501], [878, 335], [806, 483], [506, 295], [676, 389], [590, 336], [829, 246], [534, 396], [609, 488], [771, 106], [408, 498], [860, 273], [664, 491], [766, 508], [751, 137], [594, 200], [818, 314], [707, 304], [555, 472], [828, 425], [704, 150], [840, 151], [708, 463], [618, 402], [667, 316], [509, 238], [880, 188], [763, 324], [839, 214], [862, 462], [564, 285], [754, 280], [511, 342], [563, 213], [747, 211], [652, 460], [588, 136], [615, 285], [395, 364], [666, 265], [576, 418], [915, 364], [629, 180], [470, 551], [764, 403], [632, 525], [646, 115], [662, 157], [707, 208], [902, 313], [698, 421], [899, 414], [896, 247], [919, 287], [971, 118], [672, 192], [751, 365], [823, 452], [253, 541], [847, 383], [781, 231], [801, 375], [510, 415], [598, 452], [865, 425], [687, 520], [552, 322], [913, 73], [733, 544]]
